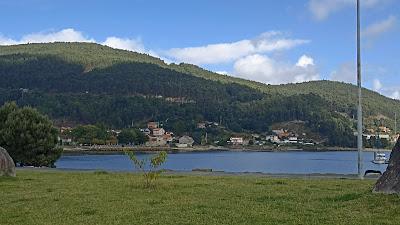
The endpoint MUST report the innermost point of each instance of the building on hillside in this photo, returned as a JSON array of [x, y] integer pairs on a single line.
[[284, 135], [385, 136], [114, 132], [272, 138], [278, 132], [158, 131], [158, 141], [381, 136], [185, 141], [168, 137], [64, 140], [146, 131], [152, 125], [368, 136], [384, 129], [64, 130], [236, 140], [201, 125], [293, 140]]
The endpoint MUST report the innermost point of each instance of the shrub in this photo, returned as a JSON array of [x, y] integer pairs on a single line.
[[149, 166]]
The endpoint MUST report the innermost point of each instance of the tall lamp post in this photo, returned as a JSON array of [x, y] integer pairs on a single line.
[[359, 108]]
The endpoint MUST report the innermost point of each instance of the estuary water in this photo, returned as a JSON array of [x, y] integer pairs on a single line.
[[294, 162]]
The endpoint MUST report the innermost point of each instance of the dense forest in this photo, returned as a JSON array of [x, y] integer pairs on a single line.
[[82, 83]]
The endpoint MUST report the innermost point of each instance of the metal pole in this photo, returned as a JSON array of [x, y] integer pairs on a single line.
[[359, 109], [395, 123]]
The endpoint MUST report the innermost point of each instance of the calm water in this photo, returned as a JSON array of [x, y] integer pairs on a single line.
[[267, 162]]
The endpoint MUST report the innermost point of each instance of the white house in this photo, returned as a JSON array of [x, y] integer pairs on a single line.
[[236, 140], [272, 138], [293, 140], [185, 141], [158, 131]]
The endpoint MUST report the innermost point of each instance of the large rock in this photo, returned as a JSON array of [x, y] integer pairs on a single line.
[[7, 166], [389, 182]]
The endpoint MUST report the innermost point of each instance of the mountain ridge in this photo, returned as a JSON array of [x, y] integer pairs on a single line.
[[78, 75]]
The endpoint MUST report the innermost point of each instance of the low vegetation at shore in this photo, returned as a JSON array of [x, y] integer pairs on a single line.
[[54, 197]]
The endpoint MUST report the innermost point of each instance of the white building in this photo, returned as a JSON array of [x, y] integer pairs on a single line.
[[272, 138], [158, 131], [185, 141], [236, 140], [293, 140]]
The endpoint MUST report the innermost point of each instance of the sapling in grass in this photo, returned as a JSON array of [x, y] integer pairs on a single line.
[[149, 166]]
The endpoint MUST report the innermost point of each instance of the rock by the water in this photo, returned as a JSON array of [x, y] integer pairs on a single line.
[[389, 182], [7, 166]]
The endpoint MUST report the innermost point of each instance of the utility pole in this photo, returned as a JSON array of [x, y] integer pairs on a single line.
[[359, 109]]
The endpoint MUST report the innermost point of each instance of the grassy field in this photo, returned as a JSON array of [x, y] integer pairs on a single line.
[[101, 198]]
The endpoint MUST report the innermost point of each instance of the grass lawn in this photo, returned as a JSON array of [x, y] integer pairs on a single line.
[[37, 197]]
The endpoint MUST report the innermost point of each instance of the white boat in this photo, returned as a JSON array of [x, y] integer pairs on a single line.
[[380, 158]]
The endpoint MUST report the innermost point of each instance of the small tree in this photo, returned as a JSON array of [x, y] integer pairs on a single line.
[[29, 136], [149, 166], [141, 138], [127, 136]]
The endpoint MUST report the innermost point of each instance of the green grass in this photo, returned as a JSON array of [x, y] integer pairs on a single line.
[[117, 198]]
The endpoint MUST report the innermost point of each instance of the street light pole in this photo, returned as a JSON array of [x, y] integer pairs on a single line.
[[359, 108], [395, 123]]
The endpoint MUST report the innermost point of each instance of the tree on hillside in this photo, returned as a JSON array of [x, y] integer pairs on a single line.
[[127, 136], [90, 134], [29, 136], [131, 136]]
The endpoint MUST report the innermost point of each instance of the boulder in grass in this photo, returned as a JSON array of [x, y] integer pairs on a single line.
[[7, 166], [389, 182]]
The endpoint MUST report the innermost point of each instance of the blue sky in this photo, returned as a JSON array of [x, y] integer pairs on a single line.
[[265, 40]]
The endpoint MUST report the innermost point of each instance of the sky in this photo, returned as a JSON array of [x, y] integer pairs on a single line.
[[269, 41]]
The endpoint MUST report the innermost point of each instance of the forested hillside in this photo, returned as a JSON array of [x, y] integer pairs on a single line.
[[90, 83]]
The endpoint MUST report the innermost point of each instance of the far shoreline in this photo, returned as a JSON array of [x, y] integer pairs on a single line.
[[144, 149]]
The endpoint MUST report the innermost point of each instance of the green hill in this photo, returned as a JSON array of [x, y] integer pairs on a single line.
[[90, 83]]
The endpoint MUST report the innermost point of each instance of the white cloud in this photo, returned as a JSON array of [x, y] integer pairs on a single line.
[[7, 41], [391, 92], [135, 45], [228, 52], [346, 73], [395, 95], [322, 9], [222, 72], [377, 85], [380, 27], [66, 35], [305, 61], [264, 69], [71, 35]]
